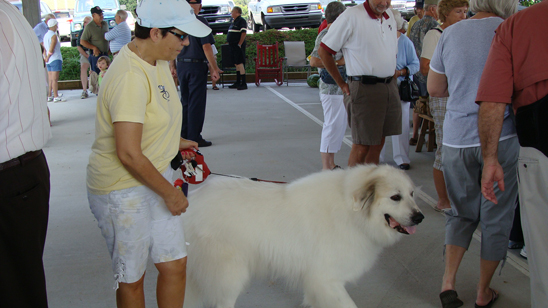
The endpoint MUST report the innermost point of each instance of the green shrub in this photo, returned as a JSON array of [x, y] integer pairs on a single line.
[[71, 57]]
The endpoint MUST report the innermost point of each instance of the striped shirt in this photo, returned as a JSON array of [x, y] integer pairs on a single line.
[[41, 29], [118, 36], [24, 125]]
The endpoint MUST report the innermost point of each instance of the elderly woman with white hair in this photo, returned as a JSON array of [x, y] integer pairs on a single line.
[[407, 64], [455, 72]]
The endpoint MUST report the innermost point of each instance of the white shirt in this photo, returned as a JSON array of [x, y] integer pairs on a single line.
[[56, 50], [369, 44], [24, 125]]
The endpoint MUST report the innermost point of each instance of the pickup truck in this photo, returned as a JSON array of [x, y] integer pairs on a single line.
[[276, 14], [217, 14], [82, 9]]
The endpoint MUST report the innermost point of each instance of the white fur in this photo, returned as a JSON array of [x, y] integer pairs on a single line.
[[318, 233]]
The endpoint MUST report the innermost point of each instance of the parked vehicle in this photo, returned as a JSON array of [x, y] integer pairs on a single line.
[[217, 14], [64, 19], [44, 8], [82, 9], [276, 14], [347, 3], [130, 21], [410, 9]]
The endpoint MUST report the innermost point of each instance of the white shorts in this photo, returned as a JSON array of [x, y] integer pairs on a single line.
[[135, 223]]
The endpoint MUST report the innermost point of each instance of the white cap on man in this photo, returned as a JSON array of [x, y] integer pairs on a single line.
[[170, 13], [52, 22]]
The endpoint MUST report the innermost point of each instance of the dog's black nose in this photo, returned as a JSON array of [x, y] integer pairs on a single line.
[[417, 218]]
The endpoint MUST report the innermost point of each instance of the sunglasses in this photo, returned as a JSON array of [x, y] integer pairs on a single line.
[[182, 37]]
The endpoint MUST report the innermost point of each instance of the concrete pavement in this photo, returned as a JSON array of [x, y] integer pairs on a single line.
[[271, 133]]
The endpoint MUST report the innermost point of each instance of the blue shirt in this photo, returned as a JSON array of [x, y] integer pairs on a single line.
[[118, 36], [407, 56], [41, 29]]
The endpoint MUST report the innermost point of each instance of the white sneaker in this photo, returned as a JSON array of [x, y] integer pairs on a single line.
[[59, 99], [50, 99], [84, 94], [523, 252]]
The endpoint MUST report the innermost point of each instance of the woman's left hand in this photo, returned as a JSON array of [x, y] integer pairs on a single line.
[[187, 145]]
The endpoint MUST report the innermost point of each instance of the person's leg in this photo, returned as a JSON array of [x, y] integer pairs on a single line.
[[84, 67], [197, 94], [487, 270], [400, 143], [374, 152], [131, 295], [170, 290], [55, 83], [416, 126], [50, 83], [24, 211], [439, 183], [358, 152], [182, 72], [334, 126], [453, 257], [328, 161], [243, 81]]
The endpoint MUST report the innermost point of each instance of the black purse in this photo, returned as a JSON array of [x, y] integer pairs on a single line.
[[409, 90]]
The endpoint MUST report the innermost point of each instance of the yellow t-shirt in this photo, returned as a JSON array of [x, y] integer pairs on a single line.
[[412, 21], [134, 91]]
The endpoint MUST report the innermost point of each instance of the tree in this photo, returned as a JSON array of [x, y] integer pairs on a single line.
[[529, 2], [130, 4]]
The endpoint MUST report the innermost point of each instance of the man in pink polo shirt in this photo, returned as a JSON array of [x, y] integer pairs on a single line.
[[516, 73], [366, 35]]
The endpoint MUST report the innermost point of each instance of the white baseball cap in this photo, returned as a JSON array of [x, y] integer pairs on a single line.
[[52, 22], [170, 13]]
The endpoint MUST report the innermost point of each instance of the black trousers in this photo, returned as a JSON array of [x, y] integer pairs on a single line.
[[193, 82], [24, 208]]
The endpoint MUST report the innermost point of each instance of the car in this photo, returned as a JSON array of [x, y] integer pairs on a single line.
[[64, 19], [347, 3], [130, 21], [217, 14], [276, 14], [44, 8], [82, 9], [410, 9]]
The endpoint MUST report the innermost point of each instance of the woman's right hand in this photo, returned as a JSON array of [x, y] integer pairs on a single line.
[[176, 202]]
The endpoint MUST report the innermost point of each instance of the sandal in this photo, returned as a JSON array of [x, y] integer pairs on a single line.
[[450, 299], [490, 303], [413, 141], [215, 88]]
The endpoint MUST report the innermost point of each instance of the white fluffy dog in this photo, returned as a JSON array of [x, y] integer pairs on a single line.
[[318, 233]]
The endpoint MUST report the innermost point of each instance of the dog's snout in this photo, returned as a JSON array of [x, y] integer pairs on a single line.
[[417, 218]]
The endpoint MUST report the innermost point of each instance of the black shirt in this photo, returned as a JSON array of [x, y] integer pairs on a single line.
[[195, 49], [235, 31]]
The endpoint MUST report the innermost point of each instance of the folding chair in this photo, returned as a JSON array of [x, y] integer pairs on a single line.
[[295, 56], [226, 63], [268, 64]]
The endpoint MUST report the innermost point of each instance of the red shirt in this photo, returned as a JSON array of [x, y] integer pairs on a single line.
[[323, 25], [517, 67]]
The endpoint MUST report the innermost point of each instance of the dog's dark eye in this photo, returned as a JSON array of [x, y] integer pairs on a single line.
[[396, 197]]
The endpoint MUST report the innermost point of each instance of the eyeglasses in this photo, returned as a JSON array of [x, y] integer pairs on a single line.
[[182, 37]]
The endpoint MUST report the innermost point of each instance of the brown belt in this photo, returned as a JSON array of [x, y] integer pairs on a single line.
[[20, 160]]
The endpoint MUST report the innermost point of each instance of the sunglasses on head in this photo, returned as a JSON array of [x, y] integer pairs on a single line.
[[182, 37]]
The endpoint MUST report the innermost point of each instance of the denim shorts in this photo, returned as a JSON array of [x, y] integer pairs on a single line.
[[55, 66], [136, 223]]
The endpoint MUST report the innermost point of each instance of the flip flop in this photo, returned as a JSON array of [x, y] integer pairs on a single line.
[[490, 303], [215, 88], [450, 299]]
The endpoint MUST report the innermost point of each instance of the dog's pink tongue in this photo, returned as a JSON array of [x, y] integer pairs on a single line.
[[393, 223], [411, 229]]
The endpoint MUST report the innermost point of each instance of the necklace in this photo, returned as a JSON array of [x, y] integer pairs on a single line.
[[140, 55]]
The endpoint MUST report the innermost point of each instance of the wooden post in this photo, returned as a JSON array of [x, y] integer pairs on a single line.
[[31, 10]]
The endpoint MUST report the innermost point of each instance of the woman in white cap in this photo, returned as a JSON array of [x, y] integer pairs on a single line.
[[129, 178], [54, 61]]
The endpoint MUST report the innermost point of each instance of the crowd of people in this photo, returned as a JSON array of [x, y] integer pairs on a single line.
[[483, 78]]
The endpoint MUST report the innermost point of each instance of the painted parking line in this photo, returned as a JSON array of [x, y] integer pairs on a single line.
[[515, 261]]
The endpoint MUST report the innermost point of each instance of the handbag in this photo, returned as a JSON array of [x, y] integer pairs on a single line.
[[327, 78], [409, 90]]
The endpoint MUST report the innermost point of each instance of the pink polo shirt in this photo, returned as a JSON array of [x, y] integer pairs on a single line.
[[517, 67]]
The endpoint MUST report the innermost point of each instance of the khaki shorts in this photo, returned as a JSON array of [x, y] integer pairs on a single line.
[[136, 223], [374, 111], [84, 60]]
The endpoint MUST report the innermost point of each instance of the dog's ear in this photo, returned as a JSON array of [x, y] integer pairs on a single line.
[[365, 195]]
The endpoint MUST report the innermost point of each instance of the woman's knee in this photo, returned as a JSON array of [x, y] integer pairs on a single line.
[[175, 267]]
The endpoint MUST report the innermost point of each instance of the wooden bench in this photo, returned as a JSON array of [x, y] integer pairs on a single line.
[[427, 128]]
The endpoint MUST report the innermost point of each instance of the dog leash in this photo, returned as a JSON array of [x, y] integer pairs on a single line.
[[253, 179]]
